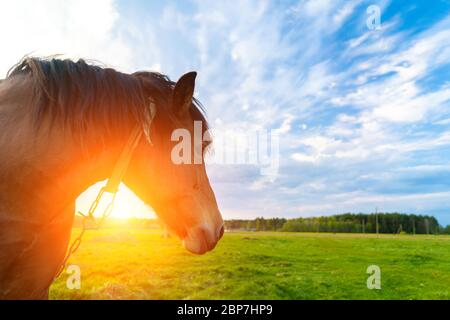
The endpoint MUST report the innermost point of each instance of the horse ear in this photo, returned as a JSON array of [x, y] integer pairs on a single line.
[[184, 92]]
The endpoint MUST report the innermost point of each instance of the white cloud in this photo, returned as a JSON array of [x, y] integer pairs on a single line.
[[304, 158], [343, 13], [77, 28]]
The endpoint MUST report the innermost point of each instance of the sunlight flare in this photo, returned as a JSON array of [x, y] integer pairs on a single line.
[[127, 204]]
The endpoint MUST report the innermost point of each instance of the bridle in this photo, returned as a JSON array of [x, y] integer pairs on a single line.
[[111, 187]]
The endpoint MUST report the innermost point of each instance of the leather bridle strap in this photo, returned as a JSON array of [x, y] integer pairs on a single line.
[[123, 162]]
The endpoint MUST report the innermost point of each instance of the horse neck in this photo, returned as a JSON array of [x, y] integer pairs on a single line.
[[42, 174]]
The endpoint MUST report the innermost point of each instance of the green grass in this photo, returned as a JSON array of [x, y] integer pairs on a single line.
[[141, 264]]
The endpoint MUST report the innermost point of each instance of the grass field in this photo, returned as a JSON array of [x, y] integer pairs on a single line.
[[141, 264]]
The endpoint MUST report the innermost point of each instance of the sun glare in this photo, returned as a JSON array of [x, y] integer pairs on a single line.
[[127, 204]]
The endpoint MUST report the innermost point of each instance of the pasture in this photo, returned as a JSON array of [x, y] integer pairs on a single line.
[[121, 263]]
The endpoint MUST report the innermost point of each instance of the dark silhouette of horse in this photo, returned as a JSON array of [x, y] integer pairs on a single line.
[[63, 126]]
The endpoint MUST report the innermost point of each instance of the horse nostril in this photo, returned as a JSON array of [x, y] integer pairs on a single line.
[[222, 230]]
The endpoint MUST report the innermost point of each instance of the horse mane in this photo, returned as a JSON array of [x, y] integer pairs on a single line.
[[83, 97]]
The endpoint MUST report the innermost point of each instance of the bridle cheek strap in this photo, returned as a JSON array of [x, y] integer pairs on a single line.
[[121, 166]]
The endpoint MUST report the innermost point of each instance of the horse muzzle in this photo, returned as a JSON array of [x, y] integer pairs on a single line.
[[203, 239]]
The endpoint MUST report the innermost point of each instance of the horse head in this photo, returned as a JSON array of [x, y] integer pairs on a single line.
[[179, 192]]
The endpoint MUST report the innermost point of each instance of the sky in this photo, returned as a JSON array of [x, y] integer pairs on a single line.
[[361, 112]]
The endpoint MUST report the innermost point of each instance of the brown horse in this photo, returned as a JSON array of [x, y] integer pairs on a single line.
[[63, 126]]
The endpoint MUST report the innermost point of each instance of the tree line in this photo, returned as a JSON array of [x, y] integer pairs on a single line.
[[349, 223]]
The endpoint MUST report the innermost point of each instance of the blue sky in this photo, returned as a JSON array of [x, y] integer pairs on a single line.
[[363, 115]]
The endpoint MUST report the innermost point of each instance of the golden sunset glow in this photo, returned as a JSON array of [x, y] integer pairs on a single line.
[[127, 204]]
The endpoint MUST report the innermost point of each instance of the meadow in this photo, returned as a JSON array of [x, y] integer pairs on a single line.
[[121, 263]]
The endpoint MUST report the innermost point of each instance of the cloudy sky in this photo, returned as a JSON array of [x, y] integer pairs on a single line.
[[362, 114]]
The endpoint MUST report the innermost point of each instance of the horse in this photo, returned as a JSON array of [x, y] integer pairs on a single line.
[[64, 124]]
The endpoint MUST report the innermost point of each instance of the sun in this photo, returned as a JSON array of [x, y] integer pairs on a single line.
[[127, 204]]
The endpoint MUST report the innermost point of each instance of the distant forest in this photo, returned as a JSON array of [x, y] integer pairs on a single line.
[[349, 223], [345, 223]]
